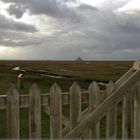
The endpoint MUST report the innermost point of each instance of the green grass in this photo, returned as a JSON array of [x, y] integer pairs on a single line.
[[24, 123], [3, 124], [119, 120], [81, 72], [45, 122]]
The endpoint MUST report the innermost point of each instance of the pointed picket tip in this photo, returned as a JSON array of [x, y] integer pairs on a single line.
[[75, 86], [12, 90], [55, 99], [55, 87], [94, 95], [111, 83], [34, 89], [110, 87], [94, 86], [34, 86]]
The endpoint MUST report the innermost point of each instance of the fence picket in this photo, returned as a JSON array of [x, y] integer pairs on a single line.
[[111, 115], [137, 113], [55, 112], [34, 112], [13, 113], [75, 105], [94, 101], [127, 117]]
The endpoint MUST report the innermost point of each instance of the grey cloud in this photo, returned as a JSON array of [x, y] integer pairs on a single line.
[[87, 7], [71, 1], [18, 39], [25, 27], [16, 11], [130, 29], [128, 23], [15, 34], [54, 8], [17, 43], [8, 24]]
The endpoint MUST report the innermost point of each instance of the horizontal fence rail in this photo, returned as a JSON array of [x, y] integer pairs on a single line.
[[45, 99], [52, 105]]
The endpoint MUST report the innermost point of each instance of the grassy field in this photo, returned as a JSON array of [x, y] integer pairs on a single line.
[[82, 72], [45, 123]]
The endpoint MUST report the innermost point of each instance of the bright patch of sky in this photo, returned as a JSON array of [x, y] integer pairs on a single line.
[[93, 2], [132, 7]]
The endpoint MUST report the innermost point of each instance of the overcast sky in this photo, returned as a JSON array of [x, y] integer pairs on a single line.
[[67, 29]]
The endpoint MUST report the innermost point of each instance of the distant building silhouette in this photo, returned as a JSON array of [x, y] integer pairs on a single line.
[[79, 59]]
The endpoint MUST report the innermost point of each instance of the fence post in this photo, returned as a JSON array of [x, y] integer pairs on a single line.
[[111, 115], [94, 101], [137, 113], [55, 112], [13, 113], [34, 112], [75, 105]]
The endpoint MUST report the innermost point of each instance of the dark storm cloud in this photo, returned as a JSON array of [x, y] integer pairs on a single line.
[[54, 8], [16, 11], [59, 9], [131, 29], [87, 7], [8, 24], [14, 34], [70, 0]]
